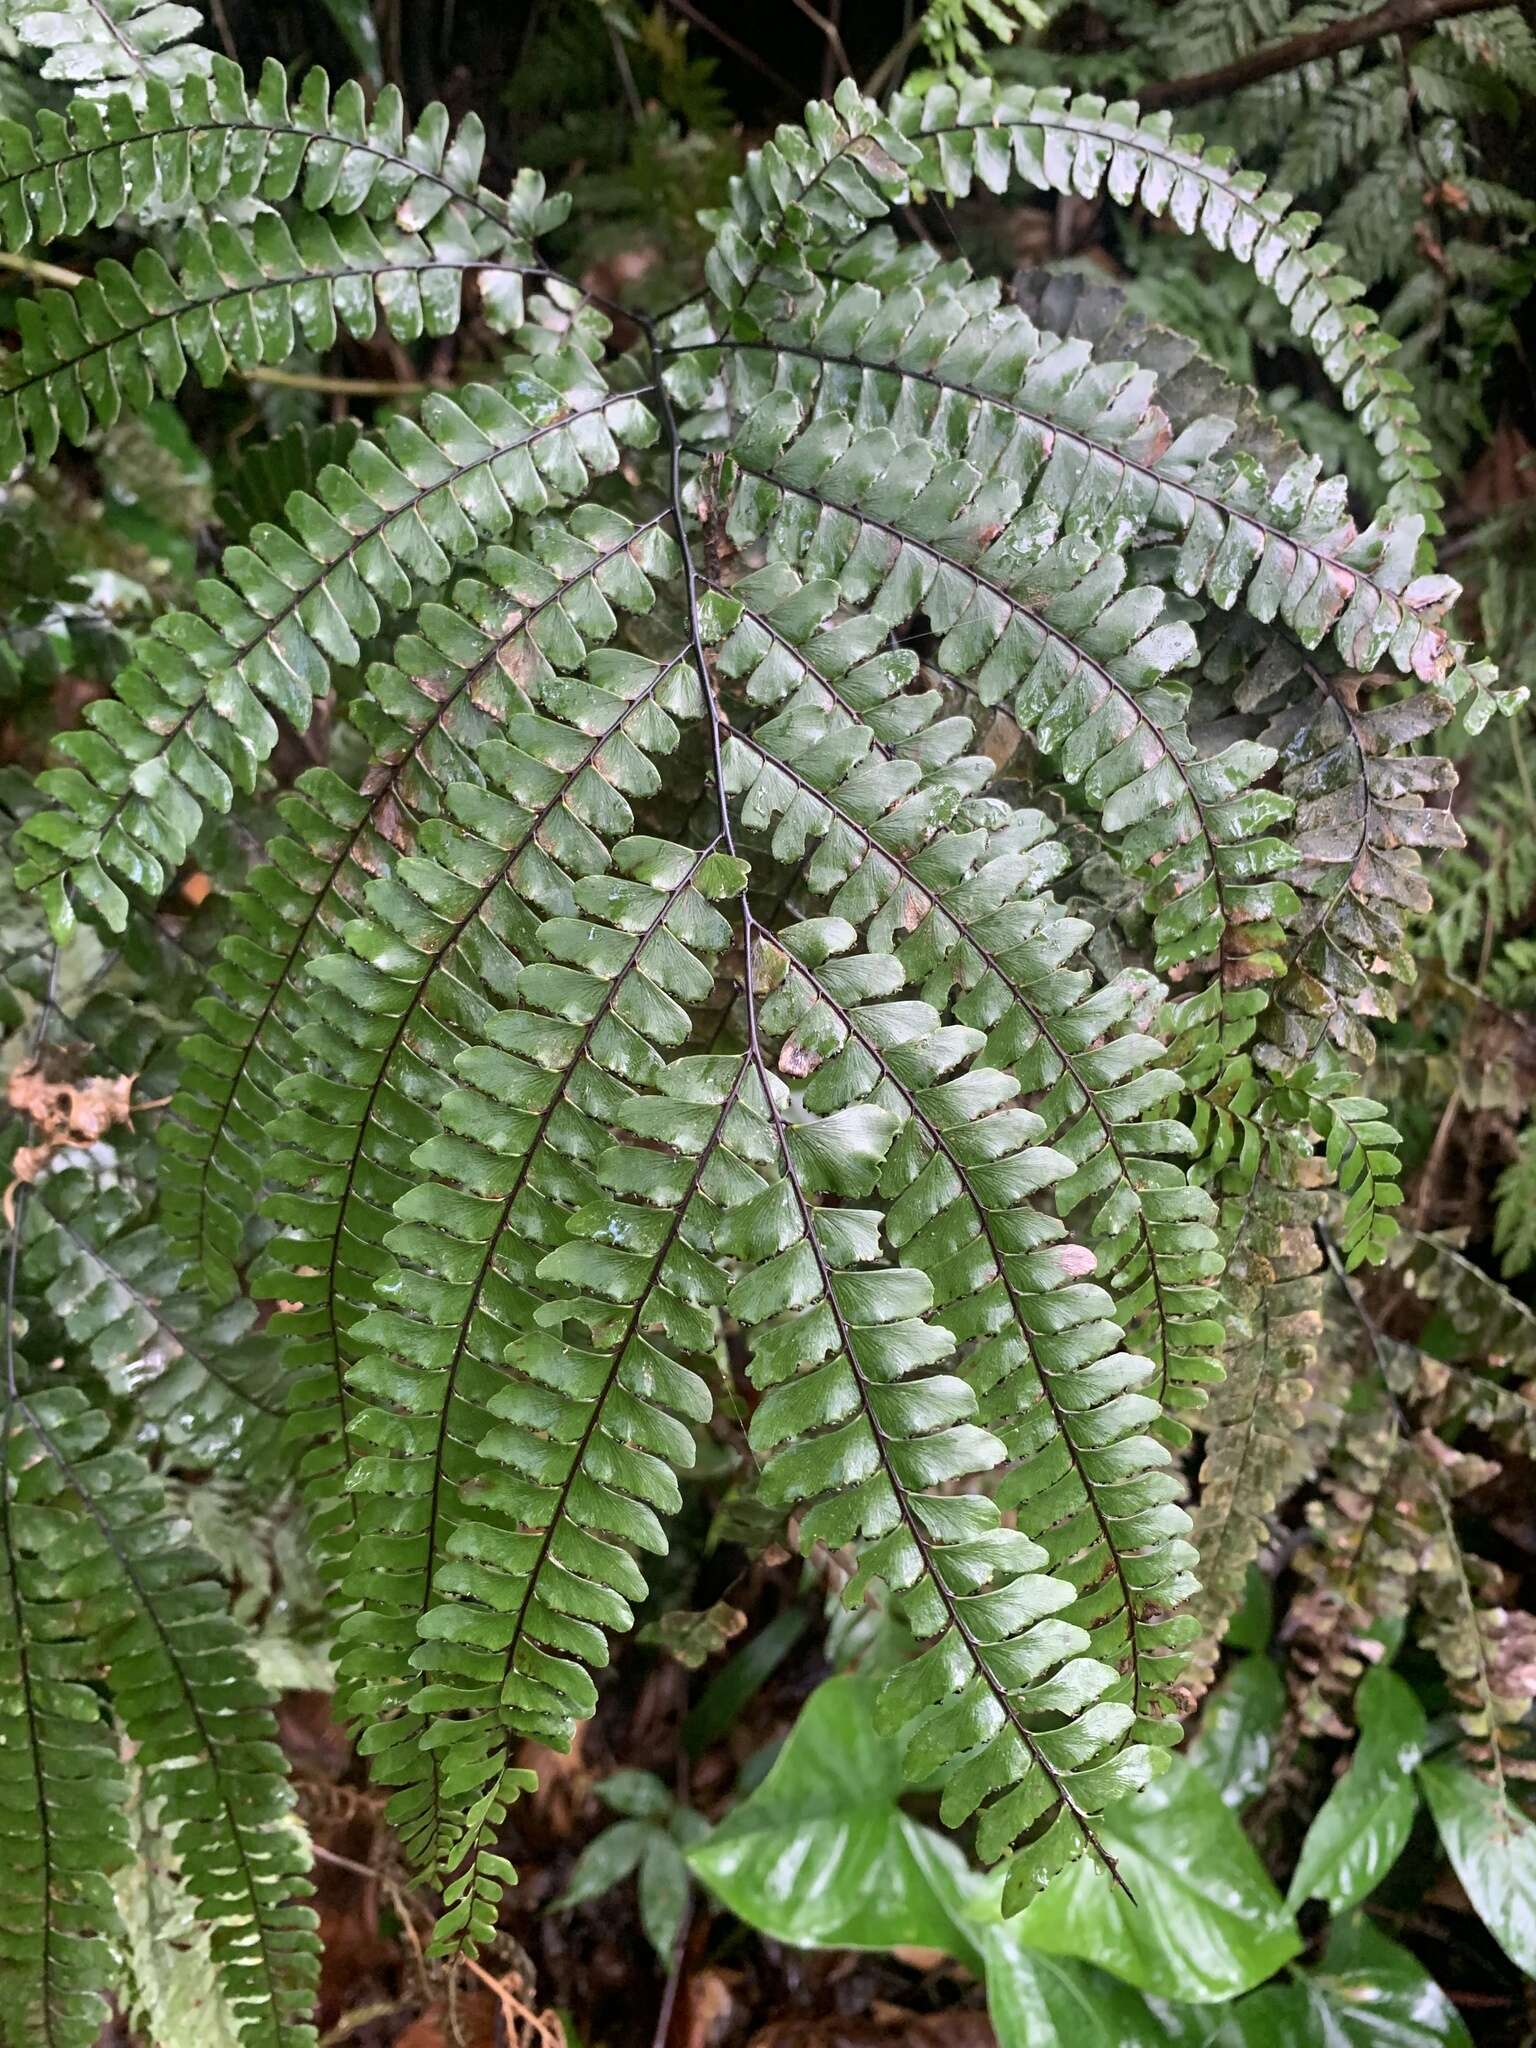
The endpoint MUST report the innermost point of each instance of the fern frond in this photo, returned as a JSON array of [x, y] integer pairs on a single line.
[[87, 1530], [686, 757], [1514, 1218], [189, 723], [955, 907], [202, 140], [855, 1430], [897, 343], [457, 681], [1491, 884], [236, 300], [1366, 1543], [1373, 219], [1205, 33], [1255, 1446], [174, 1992], [106, 43], [1045, 1346], [1077, 145], [1449, 1397], [1360, 1148], [1352, 122], [1492, 1325], [203, 1377], [61, 1818], [1486, 1650], [484, 1197], [1501, 40], [427, 940], [1365, 807], [950, 28], [505, 1509], [1079, 659], [268, 473], [852, 164]]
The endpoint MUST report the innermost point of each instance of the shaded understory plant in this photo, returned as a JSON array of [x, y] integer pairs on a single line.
[[868, 835]]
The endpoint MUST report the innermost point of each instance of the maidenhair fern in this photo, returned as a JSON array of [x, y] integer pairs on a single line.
[[1410, 146], [693, 956]]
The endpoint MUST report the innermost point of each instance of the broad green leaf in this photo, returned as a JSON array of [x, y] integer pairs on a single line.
[[1041, 2001], [1237, 1730], [1206, 1922], [1366, 1993], [1254, 1622], [822, 1855], [1364, 1822], [638, 1795], [606, 1861], [1492, 1847], [663, 1892]]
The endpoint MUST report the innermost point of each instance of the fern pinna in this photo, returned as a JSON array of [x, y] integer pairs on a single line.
[[696, 953]]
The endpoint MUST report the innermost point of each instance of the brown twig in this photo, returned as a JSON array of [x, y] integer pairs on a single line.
[[622, 65], [43, 273], [1429, 1179], [356, 387], [516, 2017], [1347, 34], [221, 23], [836, 54], [727, 41], [674, 1978], [354, 2022]]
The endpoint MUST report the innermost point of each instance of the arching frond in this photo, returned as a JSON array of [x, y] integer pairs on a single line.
[[203, 1377], [894, 340], [852, 163], [1046, 1365], [532, 1465], [234, 301], [96, 1586], [114, 44], [965, 913], [1054, 632], [194, 140], [448, 923], [189, 723], [457, 681]]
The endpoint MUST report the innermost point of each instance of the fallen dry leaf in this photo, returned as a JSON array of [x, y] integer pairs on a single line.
[[66, 1114], [709, 2007], [693, 1636]]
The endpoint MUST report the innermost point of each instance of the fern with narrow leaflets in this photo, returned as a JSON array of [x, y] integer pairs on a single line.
[[680, 963]]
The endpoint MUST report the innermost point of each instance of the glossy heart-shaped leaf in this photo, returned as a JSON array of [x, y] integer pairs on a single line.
[[1366, 1993], [1360, 1830], [1237, 1730], [1492, 1847], [1040, 2001], [822, 1856], [1203, 1920]]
